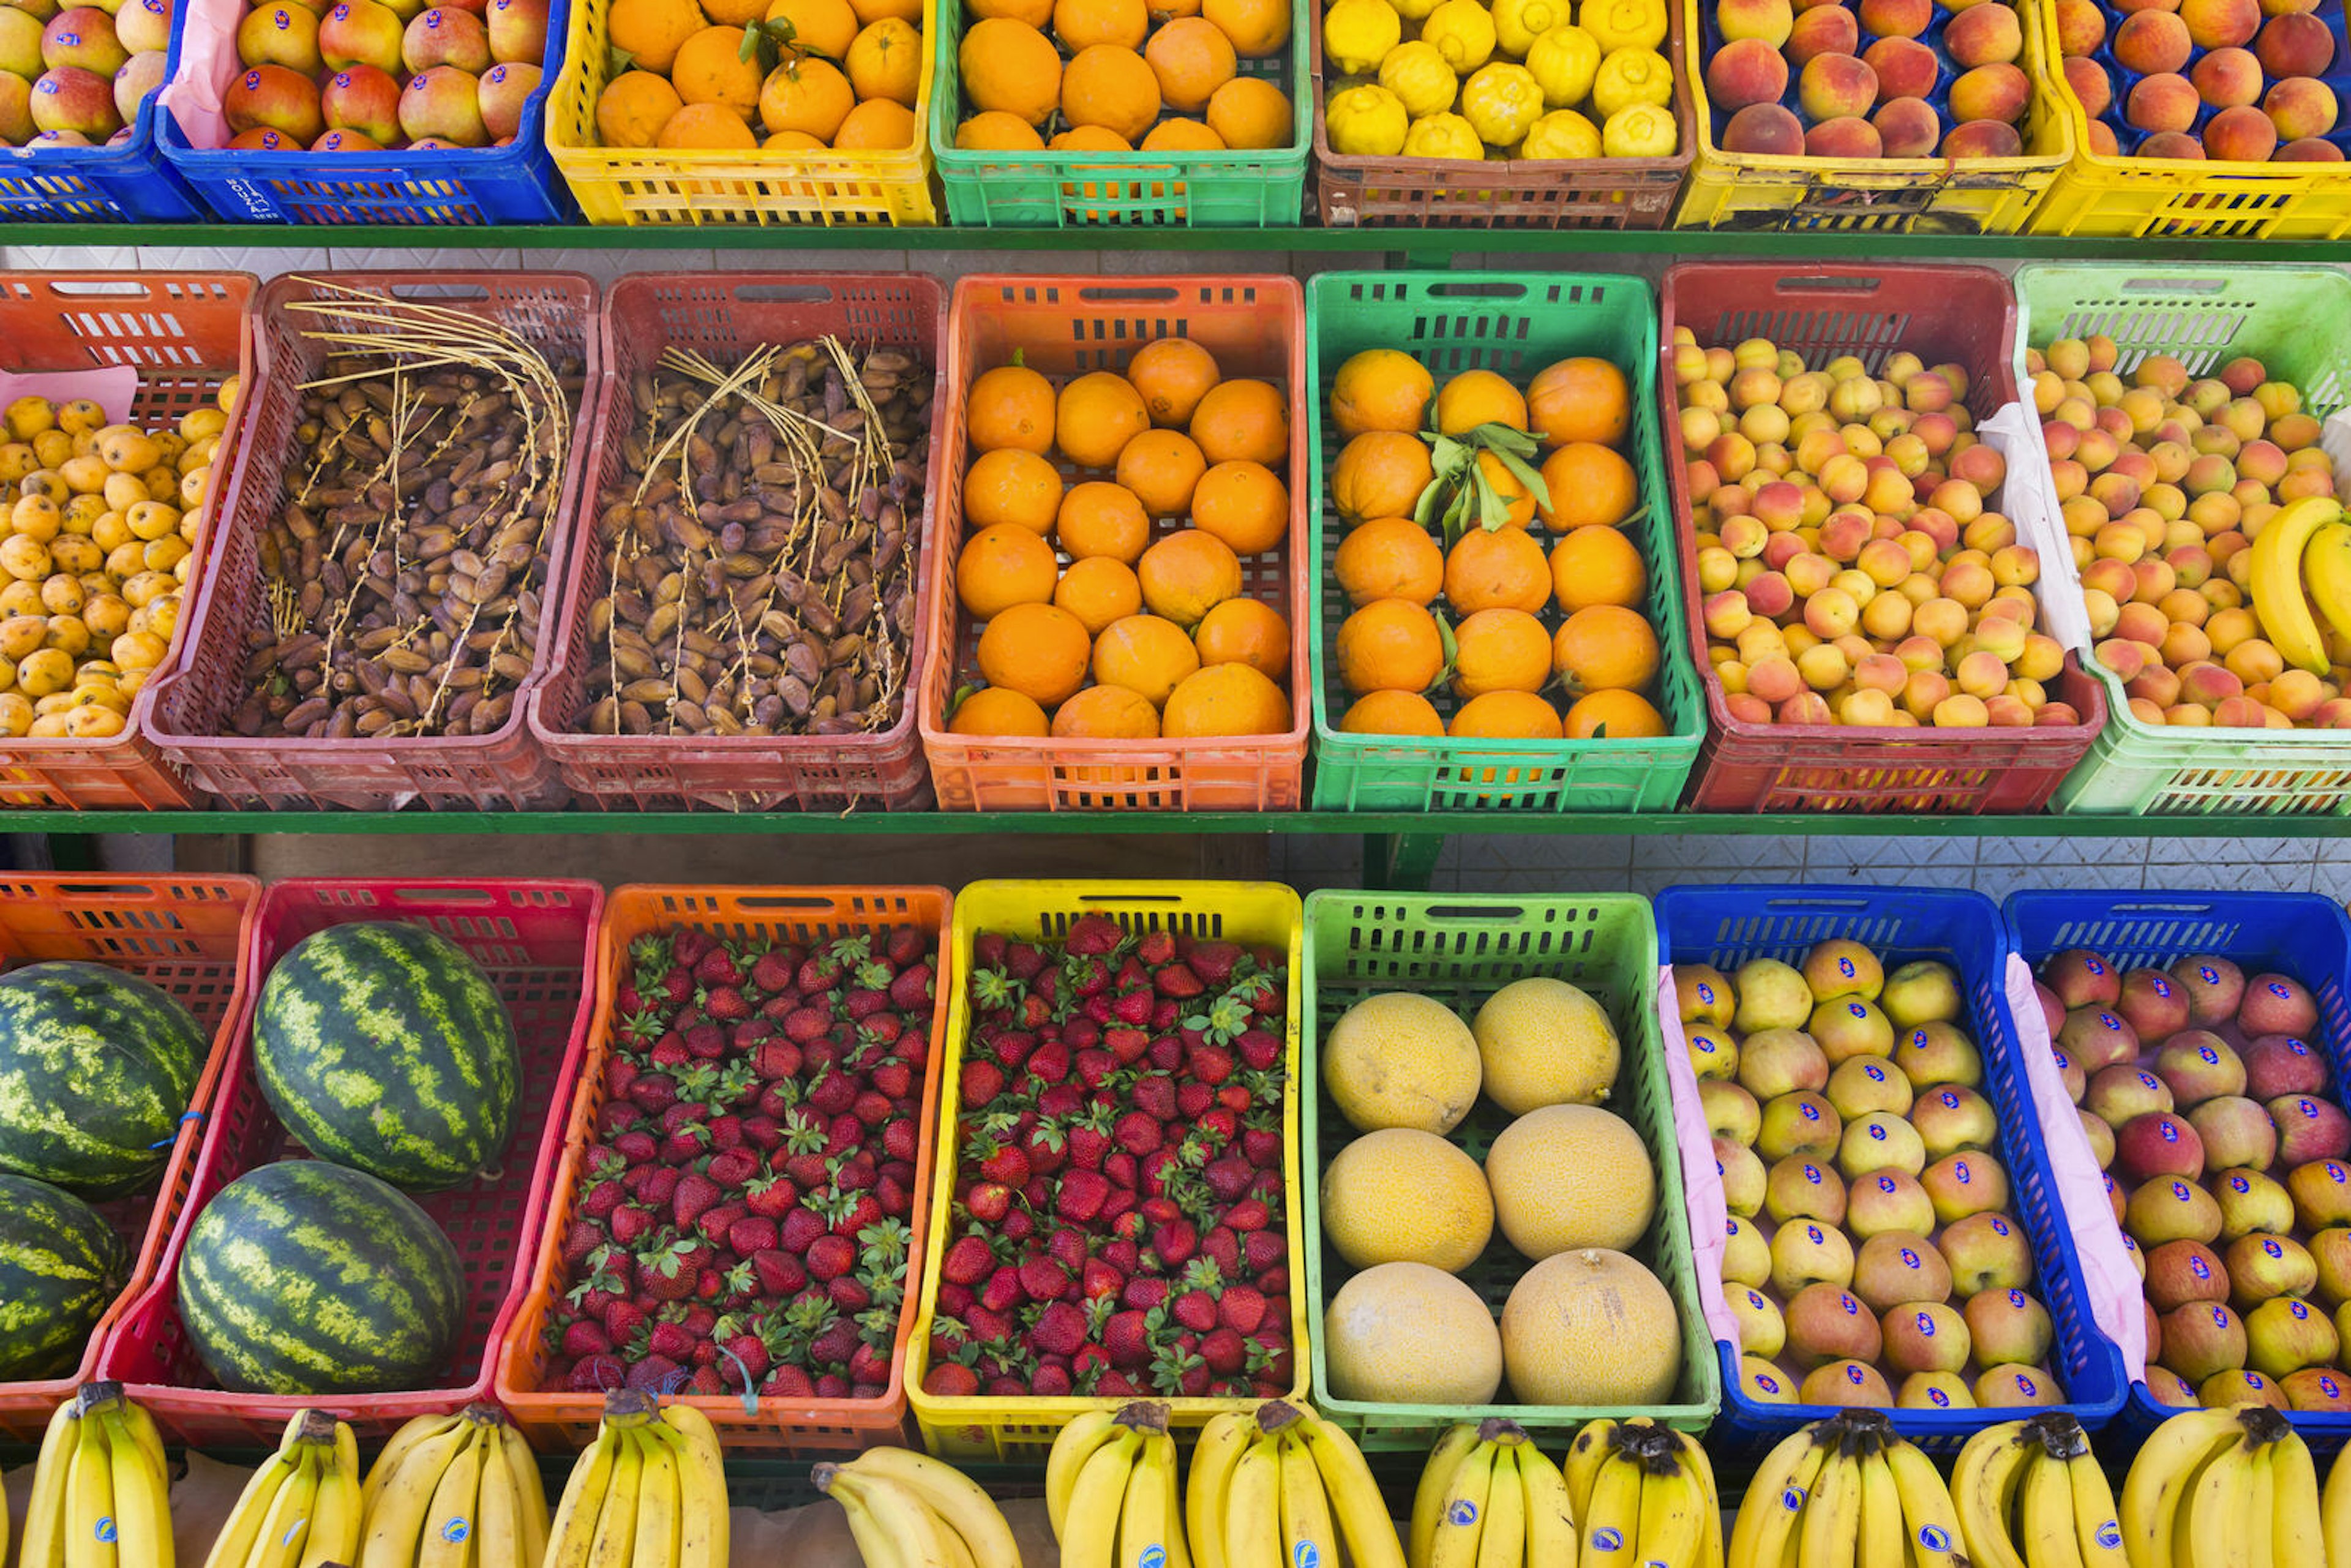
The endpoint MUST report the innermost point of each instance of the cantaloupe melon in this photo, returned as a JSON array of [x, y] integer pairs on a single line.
[[1402, 1195], [1401, 1060], [1567, 1176], [1543, 1042], [1404, 1333], [1591, 1328]]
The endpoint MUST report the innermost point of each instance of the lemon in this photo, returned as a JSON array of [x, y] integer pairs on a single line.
[[1357, 34], [1501, 102], [1442, 136], [1564, 60], [1463, 33], [1628, 77], [1562, 134], [1624, 24], [1640, 130], [1414, 10], [1419, 78], [1518, 23], [1367, 122]]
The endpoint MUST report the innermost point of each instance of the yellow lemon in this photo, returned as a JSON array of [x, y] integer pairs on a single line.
[[1463, 33], [1564, 60], [1624, 24], [1640, 130], [1501, 102], [1442, 136], [1631, 76], [1419, 78], [1414, 10], [1367, 122], [1518, 23], [1357, 34], [1562, 134]]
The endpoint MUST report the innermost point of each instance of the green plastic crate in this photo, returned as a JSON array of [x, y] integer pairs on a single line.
[[1257, 189], [1514, 323], [2297, 321], [1460, 950]]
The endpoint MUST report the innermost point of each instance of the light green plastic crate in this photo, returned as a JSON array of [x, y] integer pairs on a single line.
[[2297, 321], [1514, 323], [1460, 950]]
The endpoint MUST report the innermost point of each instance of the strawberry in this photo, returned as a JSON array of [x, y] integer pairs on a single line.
[[1174, 1243], [1248, 1214], [1043, 1279], [579, 1242], [829, 1257], [622, 1320], [1093, 1068], [988, 1202], [1051, 1382], [686, 1144], [1082, 1195], [1127, 1342], [1092, 934], [1262, 1250], [800, 1229], [1195, 1310], [1211, 1064], [733, 1168], [1155, 949], [1222, 1247], [892, 1078], [1241, 1309], [777, 1273], [1067, 1247], [1137, 1133], [950, 1380], [1002, 1292], [1261, 1146], [1213, 962], [1126, 1044], [1059, 1330], [657, 1376], [716, 1221], [1223, 1353], [982, 1082], [914, 988], [596, 1374], [967, 1263], [1260, 1048], [668, 1339], [585, 1337], [1144, 1293], [1099, 1280], [752, 1234], [631, 1225], [900, 1138], [668, 1273], [1132, 1009], [750, 1362], [1165, 1053], [1176, 981], [726, 1003], [771, 1198], [697, 1194]]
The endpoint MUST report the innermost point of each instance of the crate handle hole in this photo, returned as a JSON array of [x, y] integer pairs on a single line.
[[785, 293], [2175, 285], [782, 901], [435, 291], [1473, 911], [1833, 283], [441, 896], [1129, 898], [1821, 903], [1129, 294], [1478, 290], [106, 889], [91, 287]]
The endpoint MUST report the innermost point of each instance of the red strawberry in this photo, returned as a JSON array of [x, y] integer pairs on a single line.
[[777, 1273], [1223, 1351], [900, 1138], [950, 1380], [829, 1257], [1195, 1310], [1120, 1167], [684, 1145], [584, 1337], [967, 1262], [988, 1202], [622, 1320], [1082, 1195], [670, 1273], [1093, 1068], [697, 1194], [1174, 1243], [596, 1374], [1137, 1133], [1258, 1048], [637, 1146], [1067, 1247], [982, 1082], [670, 1340], [755, 1233], [770, 1197], [800, 1229], [631, 1225], [579, 1242], [1127, 1341], [1061, 1329], [1131, 1008], [1213, 961], [1262, 1250], [1099, 1280], [1143, 1292], [1241, 1309], [1248, 1214], [987, 1327], [1043, 1279], [1122, 1256], [1176, 981], [1007, 1166], [914, 989], [1261, 1146], [1092, 934], [1210, 1064], [892, 1078], [733, 1168], [1154, 1094], [1222, 1247], [1155, 948], [1002, 1292], [1165, 1053]]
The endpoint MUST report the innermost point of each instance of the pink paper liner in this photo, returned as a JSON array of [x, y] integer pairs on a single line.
[[207, 63], [1709, 1215], [112, 388]]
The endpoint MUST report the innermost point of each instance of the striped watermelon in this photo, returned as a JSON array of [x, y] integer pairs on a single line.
[[384, 1048], [307, 1277], [97, 1067], [60, 1265]]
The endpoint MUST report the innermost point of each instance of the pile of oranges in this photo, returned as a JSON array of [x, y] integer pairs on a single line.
[[1119, 76], [784, 75], [1111, 604], [1528, 644]]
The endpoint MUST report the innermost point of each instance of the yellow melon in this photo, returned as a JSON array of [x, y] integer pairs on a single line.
[[1607, 1200], [1401, 1060], [1592, 1327], [1400, 1195], [1406, 1333], [1544, 1042]]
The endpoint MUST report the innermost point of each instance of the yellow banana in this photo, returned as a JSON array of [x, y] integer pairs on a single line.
[[1356, 1506], [141, 1427], [877, 1545], [1461, 1522], [1984, 1489], [1435, 1482], [2326, 568], [658, 1512], [1090, 1536], [1252, 1522], [397, 1448], [447, 1537], [497, 1515], [89, 1499], [143, 1509], [1586, 1452], [1218, 1451], [1612, 1527], [1775, 1500], [1673, 1513], [402, 1499], [2051, 1538], [44, 1544], [1147, 1513], [1550, 1524], [1502, 1543], [1930, 1522], [946, 1491], [286, 1528], [1881, 1543], [918, 1535], [337, 1520], [2333, 1511], [1832, 1521], [705, 1537], [2275, 580], [2211, 1531], [530, 1495], [1078, 1440], [2096, 1527], [242, 1529], [572, 1534], [2296, 1535], [2159, 1477], [1307, 1532], [1693, 1453], [2260, 1523], [616, 1526]]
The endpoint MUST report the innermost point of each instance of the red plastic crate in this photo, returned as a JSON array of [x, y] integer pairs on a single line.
[[800, 1429], [1965, 315], [537, 941], [187, 711], [185, 936], [726, 315]]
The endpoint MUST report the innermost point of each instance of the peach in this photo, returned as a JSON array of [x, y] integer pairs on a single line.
[[2241, 134], [2081, 27], [2209, 686], [1846, 136], [2227, 77], [1746, 71], [2309, 149], [2163, 101], [277, 98], [1769, 20], [2294, 46], [1983, 35], [2300, 106], [2151, 42], [1896, 18], [2221, 24], [2090, 83], [1833, 86], [1822, 30], [1989, 92]]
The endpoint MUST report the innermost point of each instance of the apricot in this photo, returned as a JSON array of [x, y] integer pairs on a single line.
[[2151, 42], [1983, 35], [2300, 106], [2090, 83], [1834, 87], [2221, 24], [2242, 134], [1744, 72], [1822, 30], [1989, 92], [2227, 77], [2163, 101], [1896, 18], [2081, 27]]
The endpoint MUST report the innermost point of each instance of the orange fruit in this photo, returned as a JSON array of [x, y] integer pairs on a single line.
[[1002, 567], [1225, 699], [1617, 715], [710, 68], [1479, 397], [1081, 23], [1177, 135], [1187, 574], [1390, 645], [632, 109], [1392, 713], [1380, 473], [1098, 590], [1389, 557], [1011, 486], [1580, 399], [1244, 505], [1191, 58], [886, 61], [1500, 651], [1168, 10], [1096, 416], [1243, 421], [796, 140], [1101, 518], [1147, 654], [1010, 405], [1088, 139], [1590, 485], [877, 125], [1505, 715], [1605, 647], [1256, 27], [824, 27], [708, 127], [1037, 14], [1381, 389], [993, 710], [996, 131], [1161, 468], [1172, 374], [1249, 113], [806, 94], [1501, 569], [1245, 632], [1107, 713], [1037, 650], [1518, 501], [1111, 86], [869, 11], [650, 32], [1596, 566], [1010, 66]]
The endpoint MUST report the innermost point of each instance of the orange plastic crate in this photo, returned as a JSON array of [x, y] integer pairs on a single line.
[[810, 1428], [187, 936], [1066, 326]]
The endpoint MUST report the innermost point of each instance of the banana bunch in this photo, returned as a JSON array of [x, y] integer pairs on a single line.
[[1848, 1491], [910, 1511], [1642, 1496], [651, 1493], [302, 1507], [2307, 541], [1110, 1490], [1488, 1495], [101, 1494], [2030, 1494], [450, 1492], [1280, 1486], [2227, 1488]]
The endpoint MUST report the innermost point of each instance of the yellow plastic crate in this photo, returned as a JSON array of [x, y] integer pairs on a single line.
[[650, 186], [1021, 1430], [2103, 195], [1878, 195]]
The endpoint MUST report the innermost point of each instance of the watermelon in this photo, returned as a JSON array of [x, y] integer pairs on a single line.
[[309, 1278], [60, 1265], [97, 1067], [384, 1048]]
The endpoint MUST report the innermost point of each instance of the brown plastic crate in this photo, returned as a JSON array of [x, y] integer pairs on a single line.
[[1351, 191], [727, 314], [187, 333], [187, 711]]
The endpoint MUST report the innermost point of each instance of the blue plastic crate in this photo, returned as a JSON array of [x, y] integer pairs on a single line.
[[2297, 934], [474, 185], [1725, 926], [127, 185]]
